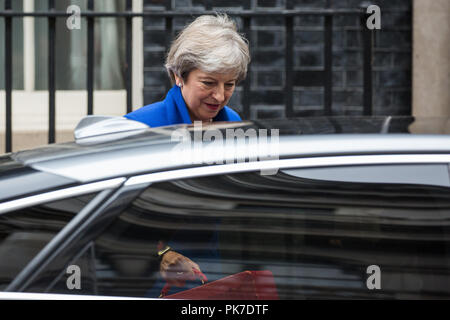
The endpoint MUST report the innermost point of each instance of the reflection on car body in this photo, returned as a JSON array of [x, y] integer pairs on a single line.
[[338, 204]]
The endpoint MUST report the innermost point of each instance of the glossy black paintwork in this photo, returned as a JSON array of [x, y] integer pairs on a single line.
[[317, 238], [17, 180], [25, 232]]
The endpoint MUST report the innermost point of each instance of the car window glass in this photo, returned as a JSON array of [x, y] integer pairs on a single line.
[[24, 232], [431, 174], [69, 279], [306, 238]]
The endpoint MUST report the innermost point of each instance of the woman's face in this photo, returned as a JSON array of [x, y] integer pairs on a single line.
[[205, 93]]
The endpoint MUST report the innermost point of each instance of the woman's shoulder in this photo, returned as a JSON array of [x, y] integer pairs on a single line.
[[231, 115], [153, 114]]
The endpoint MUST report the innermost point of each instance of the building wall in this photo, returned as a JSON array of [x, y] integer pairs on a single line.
[[431, 65], [392, 57], [431, 58]]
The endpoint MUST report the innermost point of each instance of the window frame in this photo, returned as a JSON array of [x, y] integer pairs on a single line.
[[292, 163]]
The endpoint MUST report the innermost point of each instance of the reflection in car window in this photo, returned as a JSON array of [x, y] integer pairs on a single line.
[[24, 232], [316, 238]]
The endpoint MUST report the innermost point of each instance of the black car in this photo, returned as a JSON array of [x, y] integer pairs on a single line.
[[328, 207]]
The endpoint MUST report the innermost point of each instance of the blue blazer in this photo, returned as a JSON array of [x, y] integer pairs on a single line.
[[173, 110]]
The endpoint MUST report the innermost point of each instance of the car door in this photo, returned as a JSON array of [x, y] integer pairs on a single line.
[[319, 236]]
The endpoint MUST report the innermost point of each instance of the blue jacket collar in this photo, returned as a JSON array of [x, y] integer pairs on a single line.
[[177, 111], [176, 108]]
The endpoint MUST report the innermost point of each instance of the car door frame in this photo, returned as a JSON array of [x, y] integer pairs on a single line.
[[109, 199]]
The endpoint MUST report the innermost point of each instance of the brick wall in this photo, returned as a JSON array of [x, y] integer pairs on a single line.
[[391, 68]]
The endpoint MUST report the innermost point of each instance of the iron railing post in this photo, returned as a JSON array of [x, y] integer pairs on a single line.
[[51, 74], [129, 57], [8, 78], [170, 31], [247, 85], [90, 60], [289, 63], [328, 57], [367, 35]]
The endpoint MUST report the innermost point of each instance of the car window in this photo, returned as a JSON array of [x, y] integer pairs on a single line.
[[24, 232], [294, 238], [429, 174], [79, 276]]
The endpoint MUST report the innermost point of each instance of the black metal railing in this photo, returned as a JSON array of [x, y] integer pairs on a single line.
[[247, 14]]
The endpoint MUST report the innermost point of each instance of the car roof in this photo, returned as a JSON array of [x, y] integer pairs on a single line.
[[154, 149]]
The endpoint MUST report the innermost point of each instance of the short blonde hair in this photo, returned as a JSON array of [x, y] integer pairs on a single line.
[[211, 44]]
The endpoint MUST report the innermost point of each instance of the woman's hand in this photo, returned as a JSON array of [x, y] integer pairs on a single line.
[[176, 268]]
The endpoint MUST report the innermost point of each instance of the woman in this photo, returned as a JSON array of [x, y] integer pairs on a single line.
[[205, 63]]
